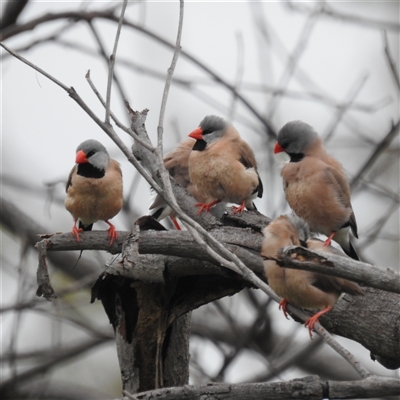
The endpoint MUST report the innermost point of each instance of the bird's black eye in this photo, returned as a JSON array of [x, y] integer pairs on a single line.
[[284, 144], [91, 152], [208, 131]]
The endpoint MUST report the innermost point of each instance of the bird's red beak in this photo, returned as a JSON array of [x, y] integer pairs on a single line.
[[197, 134], [278, 148], [81, 157]]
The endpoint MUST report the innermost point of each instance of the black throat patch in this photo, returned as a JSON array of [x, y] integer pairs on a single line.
[[200, 145], [296, 157], [87, 170]]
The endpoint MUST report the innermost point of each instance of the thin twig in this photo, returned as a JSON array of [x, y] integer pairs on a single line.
[[160, 129], [104, 55], [353, 19], [383, 145], [239, 72], [293, 60], [170, 73], [392, 64], [112, 63], [115, 119], [25, 61], [87, 16], [340, 112]]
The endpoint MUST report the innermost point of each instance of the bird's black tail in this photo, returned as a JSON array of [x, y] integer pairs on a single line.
[[351, 252], [85, 227]]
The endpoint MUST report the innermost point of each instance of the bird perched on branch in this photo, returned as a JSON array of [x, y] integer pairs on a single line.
[[303, 289], [94, 188], [316, 186], [223, 166], [176, 162]]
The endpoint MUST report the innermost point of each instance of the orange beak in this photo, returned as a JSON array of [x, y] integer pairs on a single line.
[[81, 157], [278, 148], [197, 134]]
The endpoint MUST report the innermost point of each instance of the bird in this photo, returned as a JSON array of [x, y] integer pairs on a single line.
[[223, 166], [303, 289], [176, 162], [316, 186], [94, 188]]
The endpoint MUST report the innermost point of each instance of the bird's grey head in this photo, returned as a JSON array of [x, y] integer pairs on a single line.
[[95, 152], [295, 137], [301, 227], [213, 128]]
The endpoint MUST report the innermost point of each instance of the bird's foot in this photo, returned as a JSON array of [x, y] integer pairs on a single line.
[[312, 320], [206, 207], [283, 305], [310, 324], [75, 232], [112, 233], [239, 209], [329, 240]]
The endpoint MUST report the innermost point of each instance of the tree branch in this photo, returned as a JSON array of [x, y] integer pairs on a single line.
[[344, 267], [352, 321], [310, 387], [88, 16], [112, 63]]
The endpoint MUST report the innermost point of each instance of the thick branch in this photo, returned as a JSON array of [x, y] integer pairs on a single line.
[[343, 267], [310, 387], [352, 317]]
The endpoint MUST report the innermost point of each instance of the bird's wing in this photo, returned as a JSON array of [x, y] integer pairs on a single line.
[[247, 158], [339, 183], [69, 181]]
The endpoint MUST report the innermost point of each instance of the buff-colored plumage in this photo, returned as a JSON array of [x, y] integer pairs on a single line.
[[94, 188], [315, 185], [303, 289], [176, 162], [223, 166]]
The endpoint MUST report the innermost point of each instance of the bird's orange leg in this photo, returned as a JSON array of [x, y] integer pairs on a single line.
[[112, 233], [240, 208], [312, 320], [175, 222], [75, 231], [329, 240], [283, 304], [207, 207]]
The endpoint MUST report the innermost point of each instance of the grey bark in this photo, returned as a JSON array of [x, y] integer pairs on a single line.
[[372, 320], [310, 387]]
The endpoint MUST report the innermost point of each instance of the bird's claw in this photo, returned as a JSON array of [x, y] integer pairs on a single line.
[[239, 209], [310, 324], [75, 232], [112, 233], [283, 305], [205, 206]]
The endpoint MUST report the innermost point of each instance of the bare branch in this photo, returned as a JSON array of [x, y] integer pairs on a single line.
[[116, 120], [104, 55], [57, 357], [88, 16], [328, 11], [293, 60], [112, 63], [25, 61], [332, 264], [170, 73], [378, 150], [338, 115], [310, 387], [392, 64]]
